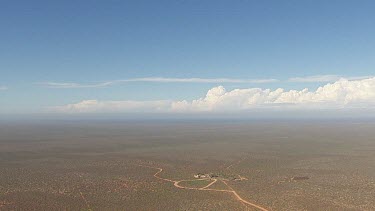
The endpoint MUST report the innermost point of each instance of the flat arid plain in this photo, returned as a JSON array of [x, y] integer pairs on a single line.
[[188, 165]]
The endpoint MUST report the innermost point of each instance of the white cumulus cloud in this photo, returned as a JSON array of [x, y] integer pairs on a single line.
[[342, 94]]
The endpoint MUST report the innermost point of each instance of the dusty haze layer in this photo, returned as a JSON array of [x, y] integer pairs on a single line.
[[141, 165]]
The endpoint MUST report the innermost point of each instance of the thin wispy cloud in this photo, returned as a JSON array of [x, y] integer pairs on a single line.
[[199, 80], [306, 79], [324, 78], [3, 88], [315, 78], [64, 85]]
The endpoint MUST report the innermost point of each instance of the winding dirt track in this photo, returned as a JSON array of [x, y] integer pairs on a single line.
[[205, 188], [84, 199]]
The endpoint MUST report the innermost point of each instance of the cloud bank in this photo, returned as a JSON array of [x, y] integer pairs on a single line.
[[342, 94], [89, 106]]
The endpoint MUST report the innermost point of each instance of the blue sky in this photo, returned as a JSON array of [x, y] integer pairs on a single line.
[[91, 42]]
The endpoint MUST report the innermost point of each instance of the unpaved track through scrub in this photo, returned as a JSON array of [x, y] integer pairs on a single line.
[[176, 184]]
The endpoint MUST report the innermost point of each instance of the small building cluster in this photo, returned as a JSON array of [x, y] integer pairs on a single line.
[[219, 176], [201, 176]]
